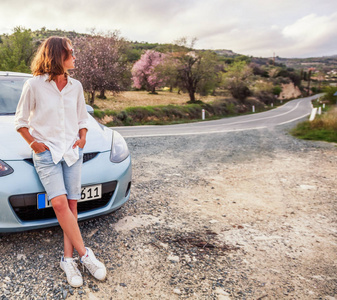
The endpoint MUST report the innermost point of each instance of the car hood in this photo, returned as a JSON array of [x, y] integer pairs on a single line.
[[14, 147]]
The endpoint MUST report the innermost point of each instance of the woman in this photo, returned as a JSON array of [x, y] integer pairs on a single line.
[[51, 116]]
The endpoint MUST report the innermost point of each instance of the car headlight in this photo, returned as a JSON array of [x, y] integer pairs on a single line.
[[5, 169], [119, 148]]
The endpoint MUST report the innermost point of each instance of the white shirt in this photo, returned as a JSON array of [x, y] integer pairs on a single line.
[[53, 117]]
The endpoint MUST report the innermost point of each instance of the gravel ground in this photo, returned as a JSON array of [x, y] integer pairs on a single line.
[[242, 215]]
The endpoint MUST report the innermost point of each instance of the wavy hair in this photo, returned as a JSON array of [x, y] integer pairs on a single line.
[[50, 57]]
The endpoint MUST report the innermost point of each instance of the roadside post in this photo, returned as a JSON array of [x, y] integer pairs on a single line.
[[313, 114], [203, 114], [253, 108]]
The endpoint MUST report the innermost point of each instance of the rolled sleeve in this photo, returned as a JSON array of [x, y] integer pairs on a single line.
[[83, 124], [82, 114], [25, 106]]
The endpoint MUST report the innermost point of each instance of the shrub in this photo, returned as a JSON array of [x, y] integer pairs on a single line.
[[265, 97], [98, 113], [277, 90], [122, 115], [231, 108], [329, 94]]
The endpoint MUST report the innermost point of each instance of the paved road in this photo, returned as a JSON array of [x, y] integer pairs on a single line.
[[291, 111]]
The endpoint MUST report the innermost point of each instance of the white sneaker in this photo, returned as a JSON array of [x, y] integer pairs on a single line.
[[74, 276], [95, 267]]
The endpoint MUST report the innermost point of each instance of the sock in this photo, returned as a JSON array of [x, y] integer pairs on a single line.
[[67, 259], [85, 254]]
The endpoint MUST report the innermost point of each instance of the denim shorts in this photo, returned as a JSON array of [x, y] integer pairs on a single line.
[[59, 179]]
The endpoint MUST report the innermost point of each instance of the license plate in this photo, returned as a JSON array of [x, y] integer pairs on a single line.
[[91, 192], [88, 193]]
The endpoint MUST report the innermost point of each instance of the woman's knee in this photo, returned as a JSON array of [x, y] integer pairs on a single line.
[[60, 203], [73, 205]]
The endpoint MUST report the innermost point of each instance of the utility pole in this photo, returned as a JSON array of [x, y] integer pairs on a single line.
[[309, 79]]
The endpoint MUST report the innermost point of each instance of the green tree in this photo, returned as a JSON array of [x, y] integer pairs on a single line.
[[196, 70], [237, 78], [294, 76], [17, 50]]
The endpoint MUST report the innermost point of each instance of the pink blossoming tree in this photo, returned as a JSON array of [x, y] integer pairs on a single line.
[[101, 64], [146, 72]]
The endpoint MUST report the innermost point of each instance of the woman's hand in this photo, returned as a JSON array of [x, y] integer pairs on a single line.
[[39, 147], [80, 143], [35, 145]]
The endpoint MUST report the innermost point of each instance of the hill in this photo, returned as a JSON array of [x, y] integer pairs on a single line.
[[135, 49], [325, 63]]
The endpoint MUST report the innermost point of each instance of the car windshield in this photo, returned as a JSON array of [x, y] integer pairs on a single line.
[[10, 92]]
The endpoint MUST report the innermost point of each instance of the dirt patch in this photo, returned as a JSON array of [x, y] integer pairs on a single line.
[[132, 222], [290, 91], [281, 215]]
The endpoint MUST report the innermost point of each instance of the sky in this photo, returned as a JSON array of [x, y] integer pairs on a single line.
[[262, 28]]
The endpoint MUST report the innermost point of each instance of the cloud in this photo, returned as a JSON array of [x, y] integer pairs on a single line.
[[312, 34], [252, 27]]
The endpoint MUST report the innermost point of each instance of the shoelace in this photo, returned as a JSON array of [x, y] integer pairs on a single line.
[[90, 265], [71, 267]]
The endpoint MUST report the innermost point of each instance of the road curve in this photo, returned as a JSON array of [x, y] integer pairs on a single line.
[[289, 112]]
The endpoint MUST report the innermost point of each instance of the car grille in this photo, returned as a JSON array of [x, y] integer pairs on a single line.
[[25, 206], [89, 156], [86, 157]]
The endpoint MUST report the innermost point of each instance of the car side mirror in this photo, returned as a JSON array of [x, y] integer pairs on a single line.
[[90, 110]]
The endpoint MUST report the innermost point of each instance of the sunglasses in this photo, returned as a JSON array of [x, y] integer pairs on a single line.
[[72, 52]]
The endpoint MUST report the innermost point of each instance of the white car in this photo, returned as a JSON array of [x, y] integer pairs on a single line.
[[106, 171]]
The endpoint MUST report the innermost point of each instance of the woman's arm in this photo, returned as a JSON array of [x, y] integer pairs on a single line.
[[82, 117], [37, 147]]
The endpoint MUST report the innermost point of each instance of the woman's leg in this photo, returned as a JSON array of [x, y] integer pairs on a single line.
[[72, 182], [67, 217], [68, 246], [68, 223]]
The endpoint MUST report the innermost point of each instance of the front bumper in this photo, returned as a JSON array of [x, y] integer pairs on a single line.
[[19, 191]]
